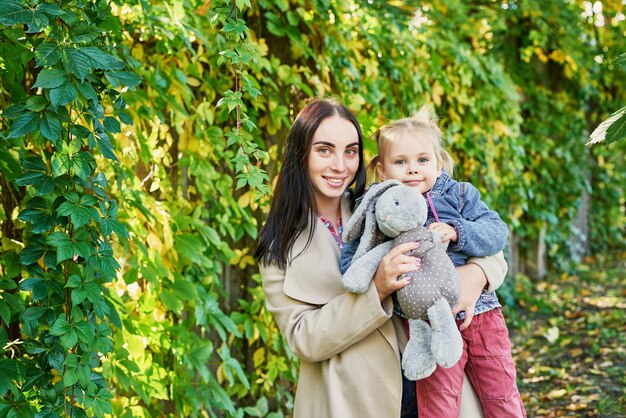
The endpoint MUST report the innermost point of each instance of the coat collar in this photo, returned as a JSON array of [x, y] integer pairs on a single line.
[[313, 276]]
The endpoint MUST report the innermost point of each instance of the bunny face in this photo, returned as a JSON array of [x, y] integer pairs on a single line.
[[400, 209]]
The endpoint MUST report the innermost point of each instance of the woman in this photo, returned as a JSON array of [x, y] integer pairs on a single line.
[[348, 343]]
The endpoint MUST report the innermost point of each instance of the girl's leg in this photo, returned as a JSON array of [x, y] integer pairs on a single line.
[[439, 395], [490, 366]]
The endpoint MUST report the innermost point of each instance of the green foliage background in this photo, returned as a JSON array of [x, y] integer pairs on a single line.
[[138, 143]]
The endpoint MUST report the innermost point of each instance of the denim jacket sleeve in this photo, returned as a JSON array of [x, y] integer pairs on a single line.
[[481, 230], [347, 253]]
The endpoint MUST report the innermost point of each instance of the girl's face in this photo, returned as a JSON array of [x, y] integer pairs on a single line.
[[333, 159], [410, 158]]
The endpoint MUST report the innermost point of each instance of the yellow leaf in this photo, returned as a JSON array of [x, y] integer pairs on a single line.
[[501, 128], [244, 200], [557, 393], [154, 242], [557, 56], [247, 261], [437, 93], [539, 52], [258, 357], [221, 375], [193, 82], [138, 52], [261, 47]]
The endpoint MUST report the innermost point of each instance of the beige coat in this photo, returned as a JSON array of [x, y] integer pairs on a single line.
[[348, 346]]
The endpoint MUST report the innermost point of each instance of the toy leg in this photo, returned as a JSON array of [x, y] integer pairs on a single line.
[[446, 343], [417, 359]]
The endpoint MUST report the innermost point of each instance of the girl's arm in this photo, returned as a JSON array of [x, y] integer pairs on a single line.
[[479, 274], [481, 231]]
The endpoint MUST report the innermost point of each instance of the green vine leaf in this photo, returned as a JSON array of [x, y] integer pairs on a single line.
[[123, 78], [106, 147], [100, 401], [81, 209], [50, 126], [67, 247], [78, 63], [39, 213], [617, 130], [34, 251], [13, 13], [62, 95], [24, 125], [36, 103], [47, 54], [101, 60], [66, 332], [51, 78]]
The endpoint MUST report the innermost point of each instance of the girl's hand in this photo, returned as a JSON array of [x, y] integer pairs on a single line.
[[392, 266], [473, 281], [448, 231]]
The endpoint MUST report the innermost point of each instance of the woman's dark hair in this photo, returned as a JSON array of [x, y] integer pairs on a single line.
[[293, 206]]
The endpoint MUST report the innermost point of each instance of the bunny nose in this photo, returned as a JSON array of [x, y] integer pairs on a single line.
[[387, 218]]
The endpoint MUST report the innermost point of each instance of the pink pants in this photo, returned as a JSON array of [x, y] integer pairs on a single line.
[[489, 365]]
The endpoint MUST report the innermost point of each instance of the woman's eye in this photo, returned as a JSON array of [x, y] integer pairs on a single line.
[[351, 152], [324, 151]]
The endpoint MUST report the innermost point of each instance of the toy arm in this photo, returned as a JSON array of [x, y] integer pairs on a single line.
[[359, 275], [481, 230]]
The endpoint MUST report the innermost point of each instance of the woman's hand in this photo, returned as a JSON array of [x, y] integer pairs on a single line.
[[473, 281], [392, 266]]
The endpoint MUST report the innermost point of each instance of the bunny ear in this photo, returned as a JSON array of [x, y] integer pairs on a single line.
[[363, 222], [354, 228]]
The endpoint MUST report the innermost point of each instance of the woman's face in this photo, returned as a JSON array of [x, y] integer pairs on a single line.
[[333, 158]]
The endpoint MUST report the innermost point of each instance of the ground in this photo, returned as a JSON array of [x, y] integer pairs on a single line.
[[569, 340]]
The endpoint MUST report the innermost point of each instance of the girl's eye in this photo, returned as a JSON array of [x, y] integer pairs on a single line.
[[399, 162], [423, 160]]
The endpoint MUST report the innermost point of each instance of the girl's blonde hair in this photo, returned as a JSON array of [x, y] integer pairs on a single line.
[[424, 118]]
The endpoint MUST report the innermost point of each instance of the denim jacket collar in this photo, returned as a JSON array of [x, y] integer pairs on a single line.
[[439, 186]]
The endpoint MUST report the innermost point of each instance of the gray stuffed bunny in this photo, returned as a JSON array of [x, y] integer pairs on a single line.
[[392, 210]]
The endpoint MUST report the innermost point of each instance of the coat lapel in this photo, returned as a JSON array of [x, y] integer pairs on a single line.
[[323, 258]]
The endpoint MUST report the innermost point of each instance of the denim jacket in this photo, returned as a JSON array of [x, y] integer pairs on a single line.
[[481, 232]]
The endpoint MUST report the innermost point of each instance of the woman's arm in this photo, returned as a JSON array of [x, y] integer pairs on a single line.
[[318, 332], [494, 267], [478, 274]]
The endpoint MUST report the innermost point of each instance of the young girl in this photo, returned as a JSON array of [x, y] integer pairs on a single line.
[[410, 151]]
